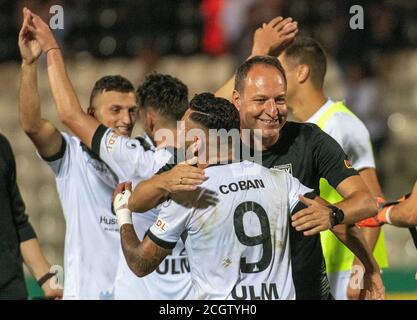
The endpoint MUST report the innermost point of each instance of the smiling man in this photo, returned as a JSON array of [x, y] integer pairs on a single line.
[[308, 154]]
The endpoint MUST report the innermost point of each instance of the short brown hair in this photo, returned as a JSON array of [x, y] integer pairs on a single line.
[[111, 83], [306, 50]]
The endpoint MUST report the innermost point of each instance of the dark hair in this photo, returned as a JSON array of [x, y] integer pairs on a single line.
[[306, 50], [111, 83], [214, 113], [165, 94], [245, 67]]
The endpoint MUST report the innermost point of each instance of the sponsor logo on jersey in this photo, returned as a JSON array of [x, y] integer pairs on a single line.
[[161, 224], [266, 291], [286, 167], [108, 220], [108, 224], [348, 164], [111, 140], [174, 265]]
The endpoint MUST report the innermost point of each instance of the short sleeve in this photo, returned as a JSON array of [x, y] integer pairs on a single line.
[[61, 161], [295, 188], [354, 138], [172, 221], [330, 160], [128, 158]]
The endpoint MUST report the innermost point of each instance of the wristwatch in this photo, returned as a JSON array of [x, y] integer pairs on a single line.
[[336, 216]]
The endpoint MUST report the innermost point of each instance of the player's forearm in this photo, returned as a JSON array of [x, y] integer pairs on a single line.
[[68, 105], [352, 238], [29, 101], [371, 236], [140, 263], [147, 195], [34, 258], [63, 92], [404, 214], [226, 90], [357, 206]]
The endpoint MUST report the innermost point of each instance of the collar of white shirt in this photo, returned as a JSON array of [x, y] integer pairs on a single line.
[[315, 117]]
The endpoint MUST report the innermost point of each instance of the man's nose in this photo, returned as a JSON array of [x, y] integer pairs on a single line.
[[271, 108], [126, 117]]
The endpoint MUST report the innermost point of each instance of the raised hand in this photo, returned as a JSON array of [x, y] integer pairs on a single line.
[[273, 37], [29, 47], [41, 32]]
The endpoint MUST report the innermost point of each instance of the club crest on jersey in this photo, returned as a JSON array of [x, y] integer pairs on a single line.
[[111, 140], [348, 164], [286, 167], [161, 225], [167, 203], [131, 144]]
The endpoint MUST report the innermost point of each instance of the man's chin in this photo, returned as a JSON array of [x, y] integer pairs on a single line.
[[124, 133], [269, 133]]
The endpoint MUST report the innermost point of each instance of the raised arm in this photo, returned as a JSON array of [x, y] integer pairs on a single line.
[[270, 39], [43, 134], [69, 109]]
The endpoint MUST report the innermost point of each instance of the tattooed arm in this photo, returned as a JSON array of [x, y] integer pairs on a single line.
[[142, 257]]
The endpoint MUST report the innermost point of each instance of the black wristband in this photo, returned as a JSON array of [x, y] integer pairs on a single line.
[[45, 278]]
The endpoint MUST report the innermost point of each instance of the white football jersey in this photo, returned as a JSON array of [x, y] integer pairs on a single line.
[[85, 186], [136, 160], [238, 241]]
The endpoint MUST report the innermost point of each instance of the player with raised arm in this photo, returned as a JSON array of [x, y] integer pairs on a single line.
[[84, 183], [132, 159]]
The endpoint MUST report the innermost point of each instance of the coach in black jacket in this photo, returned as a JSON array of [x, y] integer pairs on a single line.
[[18, 241]]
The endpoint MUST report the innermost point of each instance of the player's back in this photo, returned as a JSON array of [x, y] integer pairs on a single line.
[[238, 248]]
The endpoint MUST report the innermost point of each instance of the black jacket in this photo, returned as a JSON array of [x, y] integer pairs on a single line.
[[14, 227]]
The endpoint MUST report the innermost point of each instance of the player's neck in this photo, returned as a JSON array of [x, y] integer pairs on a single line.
[[220, 158], [307, 103]]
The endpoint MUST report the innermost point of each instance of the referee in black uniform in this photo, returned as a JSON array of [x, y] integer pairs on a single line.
[[18, 241]]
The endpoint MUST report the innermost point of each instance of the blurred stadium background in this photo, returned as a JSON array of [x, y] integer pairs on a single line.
[[201, 42]]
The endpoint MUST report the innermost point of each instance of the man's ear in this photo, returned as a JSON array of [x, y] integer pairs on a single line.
[[198, 147], [303, 73], [151, 121], [91, 111], [236, 99]]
